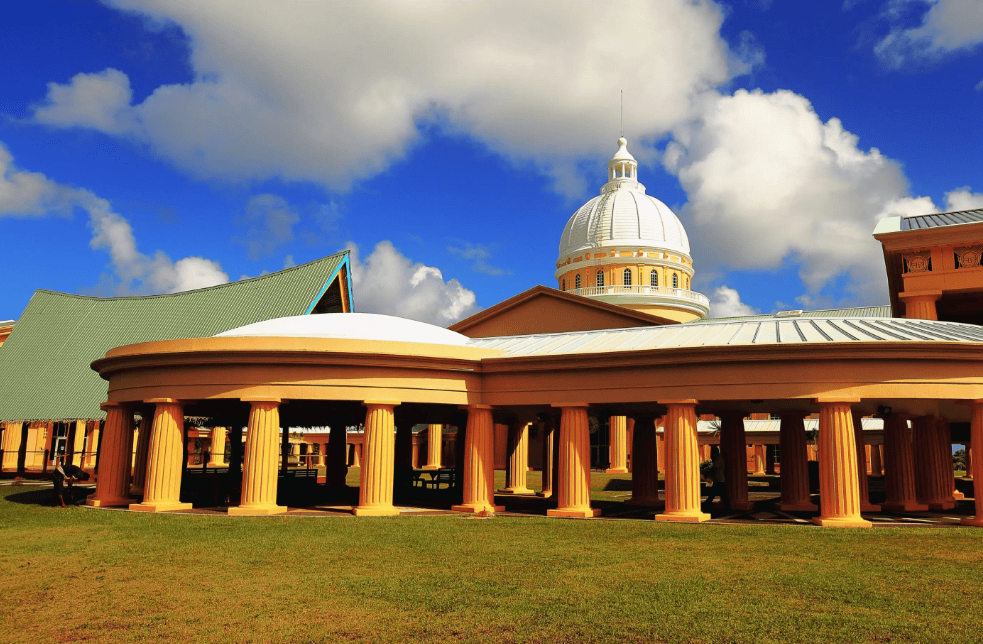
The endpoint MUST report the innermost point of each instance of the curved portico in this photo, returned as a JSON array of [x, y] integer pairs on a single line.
[[834, 367]]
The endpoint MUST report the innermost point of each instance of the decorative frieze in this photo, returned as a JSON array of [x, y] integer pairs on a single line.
[[917, 262], [968, 256]]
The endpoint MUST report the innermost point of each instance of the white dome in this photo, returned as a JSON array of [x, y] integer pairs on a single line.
[[349, 326], [623, 215]]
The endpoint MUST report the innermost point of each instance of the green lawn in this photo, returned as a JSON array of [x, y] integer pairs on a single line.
[[100, 576]]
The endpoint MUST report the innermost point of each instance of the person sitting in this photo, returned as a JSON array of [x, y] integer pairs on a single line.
[[63, 477]]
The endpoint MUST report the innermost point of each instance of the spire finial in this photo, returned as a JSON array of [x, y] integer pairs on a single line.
[[622, 113]]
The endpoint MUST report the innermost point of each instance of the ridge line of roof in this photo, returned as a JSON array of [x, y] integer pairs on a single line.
[[947, 212]]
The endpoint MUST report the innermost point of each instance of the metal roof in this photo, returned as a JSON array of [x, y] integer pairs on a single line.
[[879, 311], [44, 365], [711, 333], [942, 219]]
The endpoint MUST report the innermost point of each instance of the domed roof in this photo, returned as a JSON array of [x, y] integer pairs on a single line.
[[349, 326], [623, 215]]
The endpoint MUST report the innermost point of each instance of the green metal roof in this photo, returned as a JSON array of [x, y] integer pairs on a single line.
[[881, 311], [45, 371]]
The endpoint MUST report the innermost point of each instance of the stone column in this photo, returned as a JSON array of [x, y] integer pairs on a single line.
[[549, 456], [759, 460], [863, 485], [644, 464], [969, 462], [920, 304], [876, 467], [733, 446], [661, 440], [518, 459], [259, 469], [839, 485], [899, 472], [795, 464], [162, 487], [113, 484], [375, 493], [976, 437], [92, 448], [618, 436], [216, 445], [479, 463], [944, 436], [631, 442], [930, 481], [11, 445], [435, 436], [573, 481], [682, 464]]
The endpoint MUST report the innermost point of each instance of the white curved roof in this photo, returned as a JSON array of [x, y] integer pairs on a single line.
[[713, 333], [623, 215], [349, 326]]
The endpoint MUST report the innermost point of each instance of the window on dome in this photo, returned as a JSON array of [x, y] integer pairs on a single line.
[[600, 278], [627, 277], [653, 279], [675, 280], [576, 282], [563, 284]]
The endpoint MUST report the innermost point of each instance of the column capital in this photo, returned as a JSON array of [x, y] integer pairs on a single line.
[[106, 406], [163, 401], [837, 400], [475, 407], [975, 402], [264, 399], [680, 401], [380, 403], [570, 404], [932, 295]]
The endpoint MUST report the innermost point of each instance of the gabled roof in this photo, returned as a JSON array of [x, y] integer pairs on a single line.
[[44, 365], [877, 311], [547, 310]]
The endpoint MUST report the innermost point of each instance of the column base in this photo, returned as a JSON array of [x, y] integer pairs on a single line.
[[375, 511], [649, 502], [477, 509], [842, 522], [136, 491], [957, 495], [578, 513], [516, 491], [430, 467], [616, 470], [544, 495], [941, 505], [866, 506], [972, 521], [743, 506], [803, 506], [216, 464], [689, 517], [903, 506], [258, 510], [159, 506], [108, 503]]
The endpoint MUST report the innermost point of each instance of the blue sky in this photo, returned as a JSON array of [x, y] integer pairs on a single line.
[[150, 147]]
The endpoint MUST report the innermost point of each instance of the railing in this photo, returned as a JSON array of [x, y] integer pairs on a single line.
[[666, 291]]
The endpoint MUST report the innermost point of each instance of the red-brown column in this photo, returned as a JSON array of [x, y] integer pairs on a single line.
[[549, 457], [162, 489], [864, 487], [976, 438], [682, 464], [795, 464], [573, 483], [618, 438], [876, 465], [945, 459], [644, 464], [518, 464], [375, 491], [900, 494], [435, 436], [839, 486], [479, 463], [733, 444], [930, 479], [113, 485], [260, 465], [759, 460]]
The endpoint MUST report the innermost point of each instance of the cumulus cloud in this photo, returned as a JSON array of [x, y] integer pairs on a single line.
[[963, 199], [768, 181], [947, 26], [388, 282], [725, 302], [24, 193], [334, 92]]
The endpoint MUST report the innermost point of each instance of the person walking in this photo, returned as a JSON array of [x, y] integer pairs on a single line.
[[718, 480]]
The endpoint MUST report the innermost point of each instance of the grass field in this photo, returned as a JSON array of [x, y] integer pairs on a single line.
[[109, 576]]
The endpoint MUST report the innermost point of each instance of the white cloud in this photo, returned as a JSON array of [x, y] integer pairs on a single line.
[[24, 193], [334, 92], [390, 283], [480, 254], [768, 181], [947, 26], [726, 303], [270, 222], [963, 199]]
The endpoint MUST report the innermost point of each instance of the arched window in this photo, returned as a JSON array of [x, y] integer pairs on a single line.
[[563, 284], [576, 282], [653, 279], [600, 278], [627, 277], [675, 280], [687, 282]]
